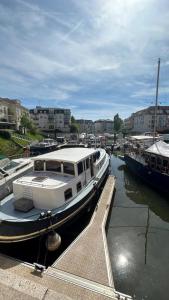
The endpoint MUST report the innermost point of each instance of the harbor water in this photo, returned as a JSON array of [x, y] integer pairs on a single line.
[[138, 237]]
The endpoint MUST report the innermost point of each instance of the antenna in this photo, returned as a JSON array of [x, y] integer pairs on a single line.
[[156, 100]]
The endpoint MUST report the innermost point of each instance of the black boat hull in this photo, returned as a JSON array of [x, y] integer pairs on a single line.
[[157, 180]]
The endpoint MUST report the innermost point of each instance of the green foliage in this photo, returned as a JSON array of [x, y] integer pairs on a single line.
[[5, 134], [9, 148], [14, 146], [26, 122], [74, 127], [118, 122], [73, 120]]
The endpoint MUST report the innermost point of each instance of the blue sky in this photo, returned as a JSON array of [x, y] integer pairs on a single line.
[[96, 57]]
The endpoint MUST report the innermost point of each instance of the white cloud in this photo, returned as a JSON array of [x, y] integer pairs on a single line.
[[89, 47]]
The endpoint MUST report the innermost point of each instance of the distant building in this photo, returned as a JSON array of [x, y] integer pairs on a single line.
[[11, 112], [143, 120], [128, 123], [51, 119], [86, 126], [104, 126]]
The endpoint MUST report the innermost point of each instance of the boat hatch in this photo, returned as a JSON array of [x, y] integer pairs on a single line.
[[40, 178]]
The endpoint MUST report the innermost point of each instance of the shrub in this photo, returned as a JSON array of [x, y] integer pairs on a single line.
[[5, 134]]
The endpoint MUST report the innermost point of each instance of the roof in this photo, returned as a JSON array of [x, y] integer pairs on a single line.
[[141, 137], [159, 148], [73, 155]]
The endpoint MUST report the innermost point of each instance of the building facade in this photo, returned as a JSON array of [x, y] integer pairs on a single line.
[[143, 120], [86, 126], [104, 126], [11, 112], [51, 119]]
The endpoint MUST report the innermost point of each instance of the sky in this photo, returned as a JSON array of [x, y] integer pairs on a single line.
[[96, 57]]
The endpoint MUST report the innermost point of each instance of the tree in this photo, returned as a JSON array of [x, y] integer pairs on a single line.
[[118, 122], [26, 123], [74, 127]]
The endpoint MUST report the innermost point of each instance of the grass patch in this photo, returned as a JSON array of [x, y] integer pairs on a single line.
[[9, 148]]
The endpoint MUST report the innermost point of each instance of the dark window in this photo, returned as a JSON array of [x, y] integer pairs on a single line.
[[80, 167], [152, 159], [165, 163], [79, 186], [84, 166], [52, 165], [87, 163], [159, 161], [39, 165], [98, 154], [68, 168], [94, 157], [68, 194]]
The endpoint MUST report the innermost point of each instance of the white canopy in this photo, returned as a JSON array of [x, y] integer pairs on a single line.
[[141, 137], [159, 148]]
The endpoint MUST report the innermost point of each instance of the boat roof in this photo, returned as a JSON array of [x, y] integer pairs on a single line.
[[159, 148], [73, 155], [141, 137]]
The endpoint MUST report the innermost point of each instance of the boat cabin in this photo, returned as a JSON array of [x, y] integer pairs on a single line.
[[59, 176], [157, 157]]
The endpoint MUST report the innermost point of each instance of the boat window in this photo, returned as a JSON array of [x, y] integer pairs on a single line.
[[68, 168], [165, 163], [152, 159], [68, 194], [94, 157], [39, 165], [159, 161], [80, 167], [54, 166], [98, 154], [79, 186], [87, 163]]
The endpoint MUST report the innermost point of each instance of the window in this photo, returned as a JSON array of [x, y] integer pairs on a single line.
[[159, 161], [39, 165], [94, 157], [165, 163], [79, 186], [87, 163], [97, 154], [80, 167], [54, 166], [68, 168], [68, 194]]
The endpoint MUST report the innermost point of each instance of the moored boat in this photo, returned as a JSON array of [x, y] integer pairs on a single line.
[[11, 170], [61, 185], [47, 145], [151, 165]]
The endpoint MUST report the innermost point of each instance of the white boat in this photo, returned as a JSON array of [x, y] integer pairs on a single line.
[[61, 185], [11, 170]]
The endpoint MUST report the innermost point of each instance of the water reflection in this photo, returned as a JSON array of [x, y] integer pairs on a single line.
[[138, 237]]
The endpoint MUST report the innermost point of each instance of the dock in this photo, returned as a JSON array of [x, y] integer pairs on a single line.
[[82, 272]]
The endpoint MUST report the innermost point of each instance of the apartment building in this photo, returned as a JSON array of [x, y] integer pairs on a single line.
[[143, 120], [86, 126], [11, 112], [51, 119], [104, 126]]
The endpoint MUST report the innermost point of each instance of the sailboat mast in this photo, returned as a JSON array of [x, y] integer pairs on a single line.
[[156, 100]]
